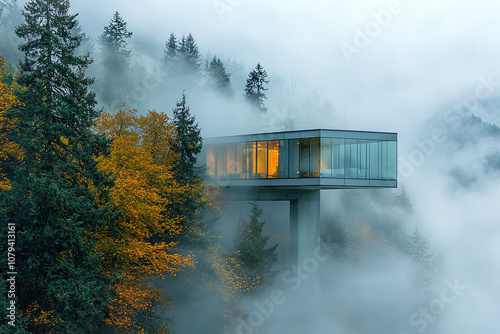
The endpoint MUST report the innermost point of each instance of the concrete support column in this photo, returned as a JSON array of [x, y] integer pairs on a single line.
[[305, 242]]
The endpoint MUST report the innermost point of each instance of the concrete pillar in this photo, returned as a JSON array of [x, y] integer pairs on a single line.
[[305, 243]]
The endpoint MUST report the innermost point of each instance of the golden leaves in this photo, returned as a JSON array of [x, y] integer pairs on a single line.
[[8, 149], [133, 246]]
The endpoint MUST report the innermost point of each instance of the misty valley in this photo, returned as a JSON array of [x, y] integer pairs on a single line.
[[177, 168]]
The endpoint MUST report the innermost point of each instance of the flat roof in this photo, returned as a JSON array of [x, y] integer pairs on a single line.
[[297, 134]]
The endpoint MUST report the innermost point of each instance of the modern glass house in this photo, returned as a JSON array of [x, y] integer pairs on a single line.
[[316, 159]]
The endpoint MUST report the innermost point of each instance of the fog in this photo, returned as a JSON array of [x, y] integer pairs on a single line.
[[418, 68]]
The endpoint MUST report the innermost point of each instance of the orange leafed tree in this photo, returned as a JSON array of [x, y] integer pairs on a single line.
[[9, 151], [132, 251]]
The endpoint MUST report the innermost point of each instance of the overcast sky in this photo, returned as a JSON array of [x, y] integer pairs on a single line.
[[385, 65], [400, 67]]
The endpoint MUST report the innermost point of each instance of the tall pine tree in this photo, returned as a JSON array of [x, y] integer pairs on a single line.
[[190, 57], [58, 194], [188, 142], [115, 57], [217, 76], [253, 259], [170, 61], [255, 88], [422, 259]]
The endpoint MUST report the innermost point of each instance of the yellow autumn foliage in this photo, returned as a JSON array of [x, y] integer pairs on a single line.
[[8, 149], [133, 246]]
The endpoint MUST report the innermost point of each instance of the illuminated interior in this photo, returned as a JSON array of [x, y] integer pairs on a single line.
[[315, 157]]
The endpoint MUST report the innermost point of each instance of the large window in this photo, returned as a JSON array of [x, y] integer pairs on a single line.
[[231, 159], [211, 160], [375, 162], [273, 159], [283, 159], [294, 158], [220, 158], [351, 158], [315, 162], [252, 159], [389, 160], [362, 159], [261, 159], [326, 168], [241, 160], [338, 152], [304, 158]]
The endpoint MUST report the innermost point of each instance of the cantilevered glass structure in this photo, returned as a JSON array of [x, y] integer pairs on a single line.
[[318, 159]]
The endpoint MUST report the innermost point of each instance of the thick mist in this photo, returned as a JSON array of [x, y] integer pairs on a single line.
[[428, 71]]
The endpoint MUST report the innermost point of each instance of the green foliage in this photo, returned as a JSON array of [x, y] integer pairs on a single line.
[[422, 259], [188, 142], [404, 201], [190, 55], [114, 43], [56, 193], [255, 260], [254, 89], [170, 61], [217, 76], [182, 59], [115, 61]]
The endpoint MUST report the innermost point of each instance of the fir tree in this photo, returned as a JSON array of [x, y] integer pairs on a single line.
[[254, 89], [404, 201], [188, 142], [186, 145], [170, 60], [217, 76], [116, 58], [189, 54], [86, 45], [57, 196], [250, 252], [422, 259]]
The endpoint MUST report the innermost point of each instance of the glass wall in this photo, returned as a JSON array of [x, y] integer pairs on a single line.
[[315, 162], [294, 158], [304, 158], [273, 159], [283, 159]]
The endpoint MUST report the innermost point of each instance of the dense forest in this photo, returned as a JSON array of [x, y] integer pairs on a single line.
[[108, 227]]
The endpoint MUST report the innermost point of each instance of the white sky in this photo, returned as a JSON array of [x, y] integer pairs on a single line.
[[428, 52]]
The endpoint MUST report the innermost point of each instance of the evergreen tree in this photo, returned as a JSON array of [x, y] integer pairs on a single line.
[[86, 45], [57, 196], [217, 76], [10, 17], [116, 60], [188, 142], [170, 60], [422, 259], [404, 201], [190, 57], [186, 145], [252, 256], [254, 89]]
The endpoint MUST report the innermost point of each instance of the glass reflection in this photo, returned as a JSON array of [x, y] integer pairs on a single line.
[[304, 158]]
